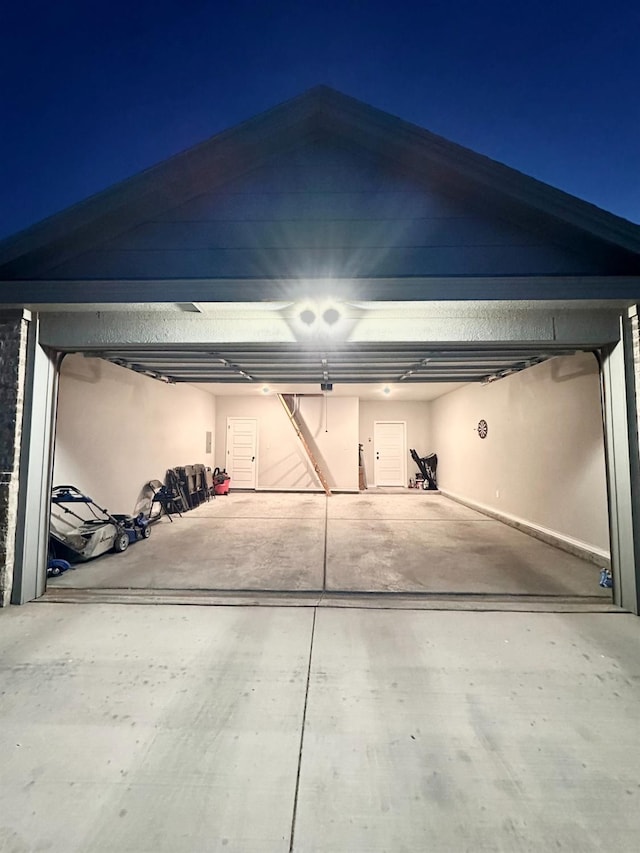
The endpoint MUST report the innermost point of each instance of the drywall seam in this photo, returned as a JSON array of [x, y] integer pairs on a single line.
[[566, 543]]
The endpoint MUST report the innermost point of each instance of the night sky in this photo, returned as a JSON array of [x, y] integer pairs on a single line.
[[93, 93]]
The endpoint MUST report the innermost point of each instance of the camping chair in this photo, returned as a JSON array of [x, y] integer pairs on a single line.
[[209, 483]]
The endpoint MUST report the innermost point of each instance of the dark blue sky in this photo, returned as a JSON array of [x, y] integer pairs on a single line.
[[93, 93]]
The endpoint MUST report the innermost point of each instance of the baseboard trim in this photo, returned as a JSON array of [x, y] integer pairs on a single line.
[[566, 543]]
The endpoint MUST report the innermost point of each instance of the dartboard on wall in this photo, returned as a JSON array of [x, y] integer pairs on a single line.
[[483, 428]]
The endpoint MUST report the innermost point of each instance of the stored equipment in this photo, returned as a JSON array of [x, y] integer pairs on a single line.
[[136, 527], [77, 537], [428, 465], [57, 567], [221, 482]]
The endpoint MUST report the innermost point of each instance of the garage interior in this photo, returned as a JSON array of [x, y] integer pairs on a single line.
[[521, 511]]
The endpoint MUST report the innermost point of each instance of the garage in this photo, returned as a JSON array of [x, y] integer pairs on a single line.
[[535, 464], [394, 287]]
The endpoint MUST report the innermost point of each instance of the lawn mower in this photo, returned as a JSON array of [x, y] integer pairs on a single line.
[[81, 530]]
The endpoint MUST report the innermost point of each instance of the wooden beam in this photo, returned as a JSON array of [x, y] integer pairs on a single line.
[[316, 467]]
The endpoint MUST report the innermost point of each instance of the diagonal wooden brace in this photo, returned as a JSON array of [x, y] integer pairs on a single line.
[[316, 467]]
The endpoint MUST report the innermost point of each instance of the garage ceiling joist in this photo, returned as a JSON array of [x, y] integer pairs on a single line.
[[344, 364]]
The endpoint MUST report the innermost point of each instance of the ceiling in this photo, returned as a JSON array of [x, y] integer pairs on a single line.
[[393, 392]]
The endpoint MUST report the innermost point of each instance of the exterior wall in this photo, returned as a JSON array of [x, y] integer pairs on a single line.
[[13, 344], [282, 461], [322, 210], [542, 462], [417, 417], [117, 430]]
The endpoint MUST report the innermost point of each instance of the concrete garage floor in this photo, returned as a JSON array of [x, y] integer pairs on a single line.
[[129, 728], [406, 542]]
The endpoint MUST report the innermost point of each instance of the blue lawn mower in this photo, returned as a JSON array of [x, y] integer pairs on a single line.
[[81, 530]]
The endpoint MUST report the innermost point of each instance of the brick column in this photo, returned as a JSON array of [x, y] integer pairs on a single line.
[[13, 348]]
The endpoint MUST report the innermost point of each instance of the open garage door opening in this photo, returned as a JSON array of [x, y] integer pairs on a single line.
[[520, 508]]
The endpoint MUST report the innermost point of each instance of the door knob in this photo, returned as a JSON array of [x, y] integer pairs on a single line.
[[253, 458]]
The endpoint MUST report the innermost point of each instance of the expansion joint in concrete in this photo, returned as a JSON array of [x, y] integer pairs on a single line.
[[302, 729], [324, 557]]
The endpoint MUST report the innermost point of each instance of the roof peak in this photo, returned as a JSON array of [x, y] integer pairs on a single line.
[[319, 109]]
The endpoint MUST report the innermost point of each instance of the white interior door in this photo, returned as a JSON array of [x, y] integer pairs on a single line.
[[241, 452], [390, 453]]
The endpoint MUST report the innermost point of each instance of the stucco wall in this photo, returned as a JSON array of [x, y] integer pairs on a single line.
[[117, 430], [282, 461], [417, 417], [543, 458]]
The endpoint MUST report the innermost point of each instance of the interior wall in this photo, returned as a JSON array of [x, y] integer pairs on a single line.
[[282, 461], [542, 461], [417, 416], [117, 429]]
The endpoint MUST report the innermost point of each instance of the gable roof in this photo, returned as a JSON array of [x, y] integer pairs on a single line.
[[318, 113]]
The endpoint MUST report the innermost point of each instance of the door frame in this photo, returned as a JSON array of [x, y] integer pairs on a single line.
[[257, 432], [404, 455]]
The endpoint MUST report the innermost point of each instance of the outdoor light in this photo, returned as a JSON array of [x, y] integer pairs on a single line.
[[331, 316], [326, 310]]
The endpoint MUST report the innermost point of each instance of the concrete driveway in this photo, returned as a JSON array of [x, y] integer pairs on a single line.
[[266, 729]]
